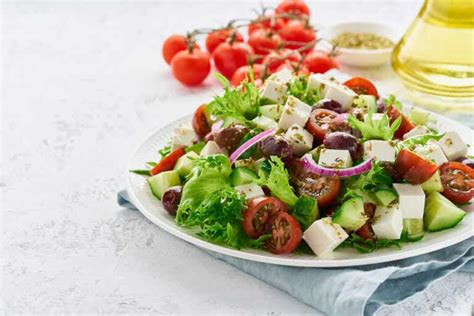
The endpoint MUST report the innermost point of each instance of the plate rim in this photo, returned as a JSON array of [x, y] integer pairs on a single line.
[[284, 261]]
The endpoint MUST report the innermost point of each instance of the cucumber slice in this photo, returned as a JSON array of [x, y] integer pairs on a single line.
[[441, 213], [195, 147], [433, 184], [413, 229], [272, 111], [350, 214], [229, 120], [384, 197], [241, 176], [185, 163], [162, 181], [305, 211], [366, 101]]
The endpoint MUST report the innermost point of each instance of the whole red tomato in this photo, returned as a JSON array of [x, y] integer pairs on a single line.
[[266, 22], [277, 58], [230, 57], [173, 45], [296, 67], [243, 73], [264, 41], [295, 7], [319, 62], [215, 38], [297, 34], [191, 68]]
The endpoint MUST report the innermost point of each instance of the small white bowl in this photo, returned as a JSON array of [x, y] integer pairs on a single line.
[[359, 57]]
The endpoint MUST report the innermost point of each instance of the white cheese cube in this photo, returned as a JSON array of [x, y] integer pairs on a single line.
[[295, 111], [323, 236], [411, 199], [335, 158], [376, 117], [337, 75], [264, 122], [300, 139], [283, 76], [250, 190], [341, 94], [453, 146], [211, 148], [319, 82], [183, 136], [274, 91], [417, 131], [432, 151], [388, 222], [379, 150]]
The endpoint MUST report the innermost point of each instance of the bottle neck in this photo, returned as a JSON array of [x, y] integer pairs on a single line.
[[454, 13]]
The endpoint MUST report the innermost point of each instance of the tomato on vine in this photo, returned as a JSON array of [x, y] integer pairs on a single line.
[[319, 62], [277, 58], [266, 22], [243, 73], [264, 41], [175, 44], [295, 7], [191, 67], [217, 37], [228, 57], [298, 34]]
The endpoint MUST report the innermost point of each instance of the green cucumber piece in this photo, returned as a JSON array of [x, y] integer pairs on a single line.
[[413, 229], [441, 213], [229, 120], [185, 163], [350, 214], [433, 184], [241, 176], [305, 211], [384, 197], [367, 102], [162, 181], [195, 148], [272, 111]]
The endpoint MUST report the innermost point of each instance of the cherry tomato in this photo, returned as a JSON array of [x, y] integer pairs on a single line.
[[168, 162], [414, 168], [258, 213], [264, 41], [286, 234], [215, 38], [267, 22], [243, 73], [296, 7], [191, 68], [458, 182], [366, 232], [362, 86], [200, 125], [405, 126], [319, 62], [321, 121], [297, 34], [173, 45], [276, 58], [230, 57], [296, 67]]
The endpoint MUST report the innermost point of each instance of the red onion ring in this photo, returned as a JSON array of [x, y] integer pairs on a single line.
[[252, 141], [308, 163]]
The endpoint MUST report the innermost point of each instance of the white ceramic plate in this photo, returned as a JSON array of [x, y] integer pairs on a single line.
[[153, 210]]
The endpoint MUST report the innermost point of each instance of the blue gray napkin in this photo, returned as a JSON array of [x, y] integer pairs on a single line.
[[356, 290]]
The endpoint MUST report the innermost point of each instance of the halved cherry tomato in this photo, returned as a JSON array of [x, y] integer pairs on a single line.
[[405, 126], [277, 58], [215, 38], [366, 232], [168, 162], [173, 45], [458, 182], [230, 57], [362, 86], [267, 22], [297, 34], [414, 168], [243, 73], [258, 213], [320, 122], [296, 7], [200, 125], [319, 62], [286, 234], [264, 41]]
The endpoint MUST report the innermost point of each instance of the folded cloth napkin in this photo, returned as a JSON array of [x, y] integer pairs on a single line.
[[358, 290]]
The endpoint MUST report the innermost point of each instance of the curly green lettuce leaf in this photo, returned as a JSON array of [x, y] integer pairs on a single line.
[[274, 175], [392, 100], [298, 87], [218, 163], [420, 140], [368, 245], [375, 129]]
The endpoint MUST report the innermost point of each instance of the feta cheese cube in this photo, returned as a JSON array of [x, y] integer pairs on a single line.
[[432, 151], [250, 190], [183, 136], [295, 111], [323, 236], [411, 199], [388, 222], [300, 139], [341, 94], [379, 150], [417, 131], [283, 76], [264, 122], [376, 117], [274, 91], [211, 148], [453, 146], [337, 75], [272, 111], [319, 82], [335, 158]]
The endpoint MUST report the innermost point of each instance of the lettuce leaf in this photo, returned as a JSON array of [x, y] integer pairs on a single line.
[[298, 88], [275, 176], [375, 129]]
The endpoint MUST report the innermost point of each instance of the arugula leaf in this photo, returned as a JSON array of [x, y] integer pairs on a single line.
[[277, 181], [151, 163], [165, 151], [420, 140], [142, 172], [375, 129], [298, 87], [368, 245], [392, 100]]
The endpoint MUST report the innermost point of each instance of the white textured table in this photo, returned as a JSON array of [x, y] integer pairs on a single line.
[[82, 84]]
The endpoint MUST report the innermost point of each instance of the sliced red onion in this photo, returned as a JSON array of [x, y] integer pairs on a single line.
[[252, 141], [217, 126], [308, 163]]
